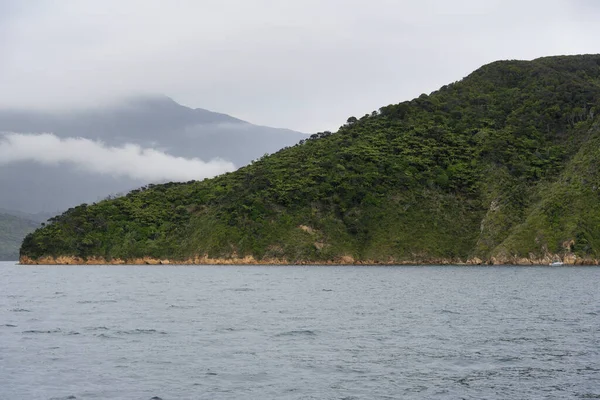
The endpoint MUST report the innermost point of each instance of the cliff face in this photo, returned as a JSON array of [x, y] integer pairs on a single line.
[[501, 167]]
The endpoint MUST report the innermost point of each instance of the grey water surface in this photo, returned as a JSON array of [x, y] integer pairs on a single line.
[[265, 332]]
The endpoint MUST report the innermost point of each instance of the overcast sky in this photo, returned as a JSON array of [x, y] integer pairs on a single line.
[[299, 64]]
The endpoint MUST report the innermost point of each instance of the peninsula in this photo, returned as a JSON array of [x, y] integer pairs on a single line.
[[501, 167]]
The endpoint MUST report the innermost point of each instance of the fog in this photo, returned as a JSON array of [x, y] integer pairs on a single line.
[[305, 65]]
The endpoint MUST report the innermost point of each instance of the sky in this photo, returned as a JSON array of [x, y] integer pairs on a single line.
[[299, 64]]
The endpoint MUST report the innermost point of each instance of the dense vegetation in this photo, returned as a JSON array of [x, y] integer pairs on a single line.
[[502, 163], [12, 231]]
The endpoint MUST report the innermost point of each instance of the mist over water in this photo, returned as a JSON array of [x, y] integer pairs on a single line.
[[229, 332]]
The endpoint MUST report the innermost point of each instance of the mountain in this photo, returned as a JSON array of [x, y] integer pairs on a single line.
[[37, 217], [155, 122], [12, 231], [499, 167]]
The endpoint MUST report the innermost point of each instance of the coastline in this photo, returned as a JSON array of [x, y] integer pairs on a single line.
[[567, 260]]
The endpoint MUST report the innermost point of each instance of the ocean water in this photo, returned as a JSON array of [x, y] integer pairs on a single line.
[[266, 332]]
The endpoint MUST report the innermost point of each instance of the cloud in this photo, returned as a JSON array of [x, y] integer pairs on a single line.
[[130, 160]]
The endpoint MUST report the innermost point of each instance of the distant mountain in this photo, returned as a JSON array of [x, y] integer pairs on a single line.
[[12, 231], [37, 217], [151, 122]]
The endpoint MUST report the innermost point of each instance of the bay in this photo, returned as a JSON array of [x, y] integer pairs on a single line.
[[299, 332]]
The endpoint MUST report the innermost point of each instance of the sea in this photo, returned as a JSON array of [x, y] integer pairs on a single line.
[[299, 332]]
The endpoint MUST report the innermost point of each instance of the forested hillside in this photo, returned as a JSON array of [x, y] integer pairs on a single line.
[[501, 166]]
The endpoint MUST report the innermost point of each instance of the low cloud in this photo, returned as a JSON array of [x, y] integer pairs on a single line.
[[130, 160]]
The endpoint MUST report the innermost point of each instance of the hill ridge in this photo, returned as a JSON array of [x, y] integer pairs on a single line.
[[454, 176], [158, 123]]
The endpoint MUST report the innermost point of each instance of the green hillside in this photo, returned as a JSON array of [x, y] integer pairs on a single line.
[[12, 231], [499, 166]]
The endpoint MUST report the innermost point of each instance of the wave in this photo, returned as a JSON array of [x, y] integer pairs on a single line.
[[305, 332], [444, 311], [96, 301], [96, 328], [37, 331], [141, 332]]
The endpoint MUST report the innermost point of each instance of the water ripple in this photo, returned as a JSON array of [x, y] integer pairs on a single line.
[[141, 332], [130, 332], [42, 331], [304, 332], [96, 301]]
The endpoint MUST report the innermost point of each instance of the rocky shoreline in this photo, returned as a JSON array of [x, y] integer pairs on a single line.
[[344, 260]]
